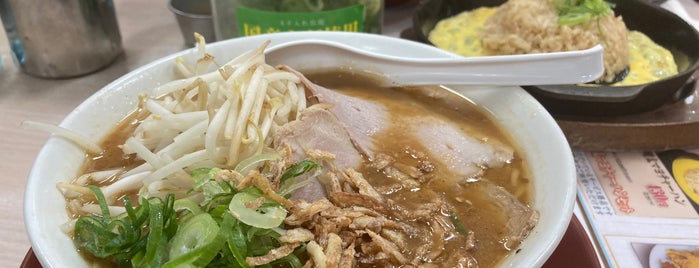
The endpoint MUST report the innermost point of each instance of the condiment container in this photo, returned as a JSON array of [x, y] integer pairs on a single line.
[[58, 39], [233, 18], [193, 16]]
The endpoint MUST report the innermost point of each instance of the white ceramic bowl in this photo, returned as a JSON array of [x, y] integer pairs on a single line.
[[533, 129]]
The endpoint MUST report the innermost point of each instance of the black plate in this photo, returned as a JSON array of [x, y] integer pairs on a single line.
[[662, 26]]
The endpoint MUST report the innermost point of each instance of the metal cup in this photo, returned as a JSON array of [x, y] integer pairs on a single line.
[[193, 16], [57, 39]]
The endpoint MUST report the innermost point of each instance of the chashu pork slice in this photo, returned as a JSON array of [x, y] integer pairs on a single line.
[[461, 153], [363, 119], [521, 218], [317, 128]]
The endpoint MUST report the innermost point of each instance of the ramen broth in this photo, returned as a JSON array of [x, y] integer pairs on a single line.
[[477, 214], [486, 220]]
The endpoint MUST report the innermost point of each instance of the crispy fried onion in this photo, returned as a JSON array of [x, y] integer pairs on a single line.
[[272, 255], [358, 225]]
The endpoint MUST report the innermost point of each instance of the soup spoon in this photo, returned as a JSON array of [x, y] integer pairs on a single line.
[[569, 67]]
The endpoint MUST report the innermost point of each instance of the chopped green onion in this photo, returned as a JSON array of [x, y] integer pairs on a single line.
[[573, 12], [160, 215], [233, 233], [136, 238], [255, 161], [196, 243], [221, 231], [187, 209], [261, 217], [457, 223], [288, 179], [203, 175], [300, 168], [205, 181], [188, 205], [101, 200]]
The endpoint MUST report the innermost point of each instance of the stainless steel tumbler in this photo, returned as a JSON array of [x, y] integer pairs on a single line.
[[65, 38]]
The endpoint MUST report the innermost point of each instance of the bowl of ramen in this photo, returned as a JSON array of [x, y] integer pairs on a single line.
[[647, 64], [212, 156]]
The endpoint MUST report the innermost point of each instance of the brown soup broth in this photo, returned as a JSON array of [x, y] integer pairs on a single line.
[[113, 157], [476, 214]]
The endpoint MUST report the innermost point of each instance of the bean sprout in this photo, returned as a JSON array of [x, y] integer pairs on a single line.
[[207, 118]]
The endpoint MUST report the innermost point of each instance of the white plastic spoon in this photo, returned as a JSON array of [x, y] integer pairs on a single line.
[[530, 69]]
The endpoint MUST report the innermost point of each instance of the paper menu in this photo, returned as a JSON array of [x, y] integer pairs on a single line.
[[641, 213]]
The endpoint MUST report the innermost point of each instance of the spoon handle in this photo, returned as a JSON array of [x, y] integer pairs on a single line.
[[569, 67]]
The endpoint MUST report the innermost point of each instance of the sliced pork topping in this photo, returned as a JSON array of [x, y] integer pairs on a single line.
[[363, 118], [521, 218], [317, 129], [462, 154]]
